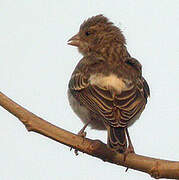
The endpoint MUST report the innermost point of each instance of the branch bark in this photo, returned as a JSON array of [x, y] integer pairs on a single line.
[[157, 168]]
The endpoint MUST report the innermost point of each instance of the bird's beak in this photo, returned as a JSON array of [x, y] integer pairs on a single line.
[[74, 41]]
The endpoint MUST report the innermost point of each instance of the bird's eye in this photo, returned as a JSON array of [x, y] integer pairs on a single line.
[[87, 33]]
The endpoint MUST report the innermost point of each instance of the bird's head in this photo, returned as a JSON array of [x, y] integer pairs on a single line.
[[95, 34]]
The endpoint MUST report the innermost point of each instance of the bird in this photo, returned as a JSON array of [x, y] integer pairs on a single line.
[[107, 90]]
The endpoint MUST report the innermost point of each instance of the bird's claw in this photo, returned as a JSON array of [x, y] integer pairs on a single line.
[[128, 151], [82, 134]]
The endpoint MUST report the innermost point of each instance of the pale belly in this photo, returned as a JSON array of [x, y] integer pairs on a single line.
[[85, 115]]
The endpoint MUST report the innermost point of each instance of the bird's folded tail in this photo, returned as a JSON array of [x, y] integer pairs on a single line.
[[117, 138]]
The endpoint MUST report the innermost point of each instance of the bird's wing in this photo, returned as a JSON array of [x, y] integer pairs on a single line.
[[136, 65], [117, 109], [131, 102]]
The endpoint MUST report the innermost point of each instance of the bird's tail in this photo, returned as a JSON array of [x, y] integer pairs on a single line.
[[117, 138]]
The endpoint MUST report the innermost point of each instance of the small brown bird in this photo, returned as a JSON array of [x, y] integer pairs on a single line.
[[107, 90]]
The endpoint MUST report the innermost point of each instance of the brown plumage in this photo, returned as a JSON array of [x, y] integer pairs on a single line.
[[107, 90]]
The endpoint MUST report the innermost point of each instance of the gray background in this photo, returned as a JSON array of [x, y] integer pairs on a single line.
[[35, 67]]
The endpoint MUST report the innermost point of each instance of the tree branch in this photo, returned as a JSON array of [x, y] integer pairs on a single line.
[[157, 168]]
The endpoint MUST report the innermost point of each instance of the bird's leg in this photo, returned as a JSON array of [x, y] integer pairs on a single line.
[[130, 148], [82, 133]]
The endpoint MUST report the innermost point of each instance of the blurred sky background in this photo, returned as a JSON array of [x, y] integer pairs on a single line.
[[36, 64]]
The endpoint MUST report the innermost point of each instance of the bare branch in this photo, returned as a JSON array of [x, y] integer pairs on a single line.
[[157, 168]]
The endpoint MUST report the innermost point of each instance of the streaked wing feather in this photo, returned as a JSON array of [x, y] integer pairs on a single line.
[[116, 109]]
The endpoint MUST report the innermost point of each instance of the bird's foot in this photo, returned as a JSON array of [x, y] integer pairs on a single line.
[[129, 150], [82, 134]]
